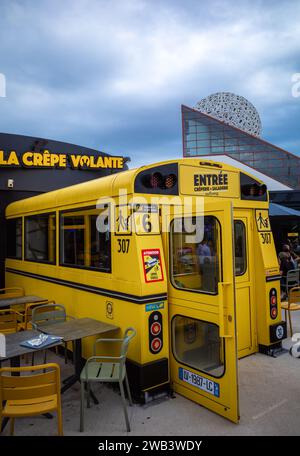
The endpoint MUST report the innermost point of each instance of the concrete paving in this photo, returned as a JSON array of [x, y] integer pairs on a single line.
[[269, 405]]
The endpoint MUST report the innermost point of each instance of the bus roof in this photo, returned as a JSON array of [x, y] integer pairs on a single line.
[[108, 186]]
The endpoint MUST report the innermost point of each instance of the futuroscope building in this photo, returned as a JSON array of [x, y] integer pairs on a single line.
[[228, 124], [227, 127]]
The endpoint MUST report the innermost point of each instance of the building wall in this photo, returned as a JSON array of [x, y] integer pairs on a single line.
[[286, 198], [204, 135]]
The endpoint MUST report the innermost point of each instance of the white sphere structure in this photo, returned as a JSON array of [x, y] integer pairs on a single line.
[[232, 109]]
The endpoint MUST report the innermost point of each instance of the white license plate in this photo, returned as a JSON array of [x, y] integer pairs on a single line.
[[199, 382]]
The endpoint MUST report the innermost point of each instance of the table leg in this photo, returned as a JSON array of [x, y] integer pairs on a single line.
[[78, 366], [15, 362]]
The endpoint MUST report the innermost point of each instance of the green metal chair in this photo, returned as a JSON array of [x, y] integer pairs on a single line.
[[103, 368]]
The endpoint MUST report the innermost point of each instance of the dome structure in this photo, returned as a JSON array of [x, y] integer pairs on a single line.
[[232, 109]]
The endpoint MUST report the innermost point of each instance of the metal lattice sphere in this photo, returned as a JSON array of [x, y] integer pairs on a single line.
[[233, 110]]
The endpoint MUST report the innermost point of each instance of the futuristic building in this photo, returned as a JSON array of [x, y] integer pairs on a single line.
[[227, 124]]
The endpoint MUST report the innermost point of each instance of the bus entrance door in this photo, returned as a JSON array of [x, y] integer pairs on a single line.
[[203, 344], [245, 308]]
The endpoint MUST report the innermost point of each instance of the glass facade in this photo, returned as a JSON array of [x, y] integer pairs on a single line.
[[204, 135]]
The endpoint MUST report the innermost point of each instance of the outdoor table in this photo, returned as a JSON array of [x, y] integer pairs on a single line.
[[14, 351], [19, 301], [75, 330]]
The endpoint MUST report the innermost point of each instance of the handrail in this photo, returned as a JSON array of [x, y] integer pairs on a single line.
[[221, 286]]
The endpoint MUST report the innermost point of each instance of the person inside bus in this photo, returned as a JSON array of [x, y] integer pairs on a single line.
[[206, 265], [203, 251]]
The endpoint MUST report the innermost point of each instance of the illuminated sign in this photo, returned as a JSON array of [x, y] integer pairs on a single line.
[[47, 159]]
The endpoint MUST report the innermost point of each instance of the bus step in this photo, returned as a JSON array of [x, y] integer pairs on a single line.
[[157, 395], [273, 350]]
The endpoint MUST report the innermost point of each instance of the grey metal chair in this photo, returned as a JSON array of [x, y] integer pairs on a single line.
[[47, 315], [103, 368], [292, 279]]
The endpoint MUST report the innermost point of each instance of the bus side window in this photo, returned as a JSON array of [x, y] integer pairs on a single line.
[[240, 247], [85, 240], [40, 238], [14, 238]]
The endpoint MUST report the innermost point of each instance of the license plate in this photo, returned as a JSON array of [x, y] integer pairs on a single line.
[[199, 382]]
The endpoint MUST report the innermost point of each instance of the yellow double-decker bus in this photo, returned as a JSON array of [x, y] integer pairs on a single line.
[[181, 250]]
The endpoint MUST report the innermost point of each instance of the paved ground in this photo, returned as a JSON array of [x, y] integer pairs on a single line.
[[269, 405]]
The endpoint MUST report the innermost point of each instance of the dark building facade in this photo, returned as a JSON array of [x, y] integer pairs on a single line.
[[30, 166], [286, 198], [205, 135]]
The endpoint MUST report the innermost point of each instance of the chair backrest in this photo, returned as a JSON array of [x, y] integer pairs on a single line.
[[124, 342], [14, 386], [129, 334], [294, 295], [292, 278], [14, 292], [29, 309], [8, 321], [48, 314]]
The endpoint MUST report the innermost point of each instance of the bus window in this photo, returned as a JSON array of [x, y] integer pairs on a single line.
[[196, 266], [252, 189], [197, 344], [40, 238], [100, 244], [14, 238], [81, 243], [240, 248]]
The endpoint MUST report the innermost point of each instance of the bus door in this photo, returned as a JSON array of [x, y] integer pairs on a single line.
[[245, 308], [203, 346]]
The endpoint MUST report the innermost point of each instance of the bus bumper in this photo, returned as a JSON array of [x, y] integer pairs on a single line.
[[277, 333], [148, 378]]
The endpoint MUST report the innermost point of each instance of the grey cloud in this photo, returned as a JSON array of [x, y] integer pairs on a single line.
[[112, 75]]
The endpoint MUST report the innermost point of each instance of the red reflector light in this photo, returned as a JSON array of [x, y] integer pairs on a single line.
[[156, 344], [254, 190], [155, 180], [273, 303], [158, 180], [155, 328], [274, 312], [170, 180]]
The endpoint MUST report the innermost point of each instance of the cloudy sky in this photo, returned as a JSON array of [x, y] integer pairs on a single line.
[[112, 74]]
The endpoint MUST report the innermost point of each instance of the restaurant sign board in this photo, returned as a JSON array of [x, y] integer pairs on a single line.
[[47, 159]]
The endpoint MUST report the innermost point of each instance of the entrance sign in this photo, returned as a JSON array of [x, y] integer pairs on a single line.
[[209, 182]]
